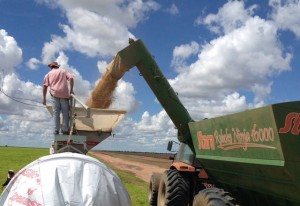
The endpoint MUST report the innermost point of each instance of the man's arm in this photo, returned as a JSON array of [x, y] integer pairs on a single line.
[[44, 94], [71, 86]]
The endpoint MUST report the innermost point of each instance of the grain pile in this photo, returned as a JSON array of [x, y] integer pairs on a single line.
[[102, 95]]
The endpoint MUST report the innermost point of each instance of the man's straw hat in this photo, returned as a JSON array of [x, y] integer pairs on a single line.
[[54, 65]]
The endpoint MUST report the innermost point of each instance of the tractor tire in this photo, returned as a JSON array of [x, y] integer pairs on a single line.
[[174, 189], [213, 197], [153, 188]]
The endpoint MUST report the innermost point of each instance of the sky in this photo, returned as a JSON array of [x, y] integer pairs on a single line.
[[221, 57]]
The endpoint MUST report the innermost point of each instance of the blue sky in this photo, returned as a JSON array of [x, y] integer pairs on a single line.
[[219, 56]]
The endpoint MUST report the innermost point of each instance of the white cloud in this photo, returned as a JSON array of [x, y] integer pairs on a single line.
[[124, 97], [97, 28], [84, 36], [286, 15], [81, 87], [14, 89], [229, 17], [208, 108], [52, 48], [158, 122], [33, 63], [137, 10], [244, 59], [173, 9], [21, 101], [150, 134], [17, 92], [182, 53], [102, 65], [234, 102], [128, 13], [10, 53]]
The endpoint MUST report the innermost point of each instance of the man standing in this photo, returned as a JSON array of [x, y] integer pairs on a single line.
[[57, 79]]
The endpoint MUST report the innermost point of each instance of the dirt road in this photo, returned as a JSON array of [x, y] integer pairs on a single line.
[[141, 166]]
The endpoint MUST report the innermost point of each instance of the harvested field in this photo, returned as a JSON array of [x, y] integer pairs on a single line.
[[142, 165]]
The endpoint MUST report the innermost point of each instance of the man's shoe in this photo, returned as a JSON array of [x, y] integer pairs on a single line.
[[55, 132], [65, 133]]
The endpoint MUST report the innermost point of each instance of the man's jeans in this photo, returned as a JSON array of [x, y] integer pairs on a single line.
[[60, 105]]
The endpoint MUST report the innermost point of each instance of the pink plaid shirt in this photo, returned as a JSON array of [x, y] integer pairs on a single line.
[[57, 80]]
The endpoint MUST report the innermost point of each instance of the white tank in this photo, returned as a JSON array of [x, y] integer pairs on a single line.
[[65, 179]]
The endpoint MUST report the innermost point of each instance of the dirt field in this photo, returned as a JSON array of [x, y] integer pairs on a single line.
[[142, 165]]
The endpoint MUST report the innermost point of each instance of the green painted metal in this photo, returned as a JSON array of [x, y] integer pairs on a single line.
[[136, 54], [255, 150]]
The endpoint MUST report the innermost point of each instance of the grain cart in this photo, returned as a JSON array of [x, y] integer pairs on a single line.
[[89, 127], [247, 158]]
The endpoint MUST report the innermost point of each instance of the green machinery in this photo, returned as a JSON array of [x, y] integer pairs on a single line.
[[247, 158]]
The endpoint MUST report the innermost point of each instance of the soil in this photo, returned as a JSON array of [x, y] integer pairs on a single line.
[[142, 165]]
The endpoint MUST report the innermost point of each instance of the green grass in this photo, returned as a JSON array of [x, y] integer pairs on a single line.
[[16, 158], [137, 189]]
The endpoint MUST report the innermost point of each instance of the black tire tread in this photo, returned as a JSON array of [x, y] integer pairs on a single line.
[[177, 189], [213, 197], [153, 191]]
